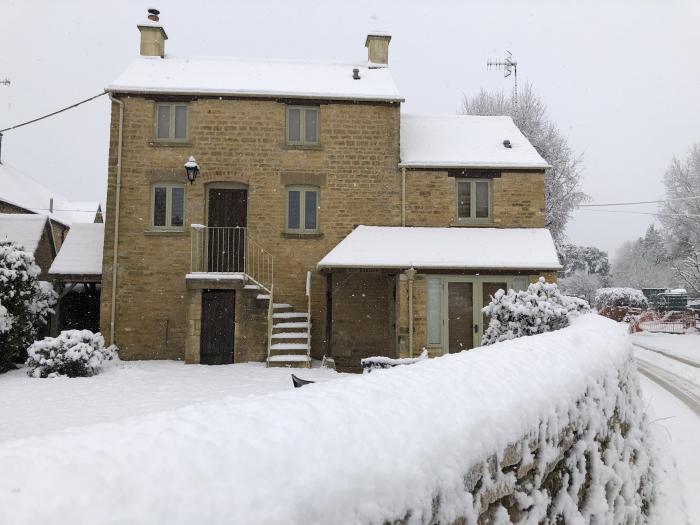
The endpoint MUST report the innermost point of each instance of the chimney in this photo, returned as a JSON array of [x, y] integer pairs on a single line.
[[153, 36], [377, 45]]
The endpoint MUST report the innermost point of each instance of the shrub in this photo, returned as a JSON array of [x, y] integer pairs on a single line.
[[540, 308], [26, 302], [74, 353], [630, 297]]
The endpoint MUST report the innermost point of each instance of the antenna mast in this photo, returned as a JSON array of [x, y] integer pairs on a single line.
[[5, 82], [509, 67]]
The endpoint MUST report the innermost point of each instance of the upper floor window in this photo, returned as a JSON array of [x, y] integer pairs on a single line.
[[171, 121], [168, 206], [302, 125], [473, 200], [302, 209]]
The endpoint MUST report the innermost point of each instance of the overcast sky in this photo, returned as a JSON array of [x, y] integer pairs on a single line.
[[621, 79]]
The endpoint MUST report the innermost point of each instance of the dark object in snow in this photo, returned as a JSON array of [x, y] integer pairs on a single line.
[[356, 74], [380, 362], [506, 144], [298, 382]]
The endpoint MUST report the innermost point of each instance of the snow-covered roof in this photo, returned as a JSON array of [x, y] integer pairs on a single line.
[[21, 190], [256, 78], [81, 251], [454, 248], [23, 228], [465, 141]]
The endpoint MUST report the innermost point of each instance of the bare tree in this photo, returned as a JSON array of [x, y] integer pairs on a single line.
[[563, 180], [688, 269]]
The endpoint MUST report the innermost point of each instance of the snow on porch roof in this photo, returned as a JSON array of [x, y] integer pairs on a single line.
[[465, 141], [81, 252], [23, 228], [256, 78], [453, 248]]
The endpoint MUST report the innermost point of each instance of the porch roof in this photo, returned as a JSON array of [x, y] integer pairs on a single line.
[[444, 248], [80, 253]]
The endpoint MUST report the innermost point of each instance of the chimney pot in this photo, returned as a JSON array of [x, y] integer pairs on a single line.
[[153, 36], [377, 44]]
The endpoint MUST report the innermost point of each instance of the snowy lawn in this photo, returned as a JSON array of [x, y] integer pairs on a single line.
[[33, 407]]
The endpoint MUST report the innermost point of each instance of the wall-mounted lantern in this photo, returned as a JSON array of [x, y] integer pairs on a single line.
[[192, 169]]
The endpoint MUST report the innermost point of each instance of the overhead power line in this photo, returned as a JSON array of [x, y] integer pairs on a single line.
[[640, 202], [692, 216], [53, 113]]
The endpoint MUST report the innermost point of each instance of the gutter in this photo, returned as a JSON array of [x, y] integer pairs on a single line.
[[113, 298]]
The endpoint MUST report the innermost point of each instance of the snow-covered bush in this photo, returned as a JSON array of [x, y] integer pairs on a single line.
[[381, 362], [630, 297], [74, 353], [26, 302], [540, 308], [5, 320]]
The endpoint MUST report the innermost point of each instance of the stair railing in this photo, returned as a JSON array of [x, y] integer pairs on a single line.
[[308, 317], [270, 321]]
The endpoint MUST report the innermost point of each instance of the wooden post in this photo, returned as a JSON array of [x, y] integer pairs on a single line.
[[329, 314]]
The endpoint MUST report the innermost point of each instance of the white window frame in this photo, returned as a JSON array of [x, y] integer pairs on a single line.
[[171, 132], [473, 219], [302, 189], [302, 126], [168, 205]]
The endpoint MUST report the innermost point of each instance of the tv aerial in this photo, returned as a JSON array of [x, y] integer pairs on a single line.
[[5, 82], [509, 67]]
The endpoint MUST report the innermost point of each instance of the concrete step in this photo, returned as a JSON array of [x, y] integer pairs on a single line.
[[292, 361], [289, 346], [291, 315], [293, 324], [281, 306], [290, 335], [263, 297], [251, 287]]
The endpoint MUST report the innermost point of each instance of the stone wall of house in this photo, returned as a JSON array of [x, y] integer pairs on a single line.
[[240, 141], [517, 199]]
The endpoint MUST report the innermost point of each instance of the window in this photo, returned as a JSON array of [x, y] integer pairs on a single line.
[[171, 122], [302, 125], [302, 209], [473, 200], [520, 283], [168, 206], [434, 304]]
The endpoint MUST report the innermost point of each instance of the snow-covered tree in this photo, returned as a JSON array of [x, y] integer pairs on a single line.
[[643, 263], [582, 284], [26, 302], [586, 259], [74, 353], [680, 215], [688, 269], [541, 308], [563, 180]]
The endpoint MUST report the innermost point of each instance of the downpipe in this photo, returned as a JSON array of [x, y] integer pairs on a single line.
[[113, 298]]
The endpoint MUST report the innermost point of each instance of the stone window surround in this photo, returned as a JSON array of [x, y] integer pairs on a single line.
[[302, 143], [170, 140], [302, 232], [459, 221], [169, 184]]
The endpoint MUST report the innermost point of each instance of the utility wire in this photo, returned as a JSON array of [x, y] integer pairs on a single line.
[[648, 213], [54, 113], [640, 202]]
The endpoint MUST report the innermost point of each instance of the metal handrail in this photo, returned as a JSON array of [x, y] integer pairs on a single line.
[[230, 249], [308, 311]]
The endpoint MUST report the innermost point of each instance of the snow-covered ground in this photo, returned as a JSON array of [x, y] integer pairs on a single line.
[[32, 407], [675, 361]]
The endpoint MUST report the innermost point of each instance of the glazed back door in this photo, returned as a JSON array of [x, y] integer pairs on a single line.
[[216, 340], [460, 316], [226, 238]]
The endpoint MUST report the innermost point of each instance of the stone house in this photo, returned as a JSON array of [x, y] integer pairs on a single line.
[[269, 210]]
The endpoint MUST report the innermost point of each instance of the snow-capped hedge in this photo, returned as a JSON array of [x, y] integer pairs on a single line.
[[630, 297], [381, 362], [74, 353], [538, 427], [541, 308]]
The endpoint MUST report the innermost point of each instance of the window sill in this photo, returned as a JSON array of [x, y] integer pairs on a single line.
[[169, 144], [168, 232], [288, 235], [472, 224], [308, 147]]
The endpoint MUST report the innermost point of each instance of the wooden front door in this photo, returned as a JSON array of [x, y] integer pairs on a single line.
[[218, 316], [226, 238]]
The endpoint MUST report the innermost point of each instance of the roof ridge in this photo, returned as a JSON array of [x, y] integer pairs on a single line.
[[271, 60]]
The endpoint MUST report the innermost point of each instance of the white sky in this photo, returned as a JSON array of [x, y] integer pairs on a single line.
[[621, 79]]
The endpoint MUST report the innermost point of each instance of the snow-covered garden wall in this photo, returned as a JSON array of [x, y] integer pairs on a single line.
[[533, 428]]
